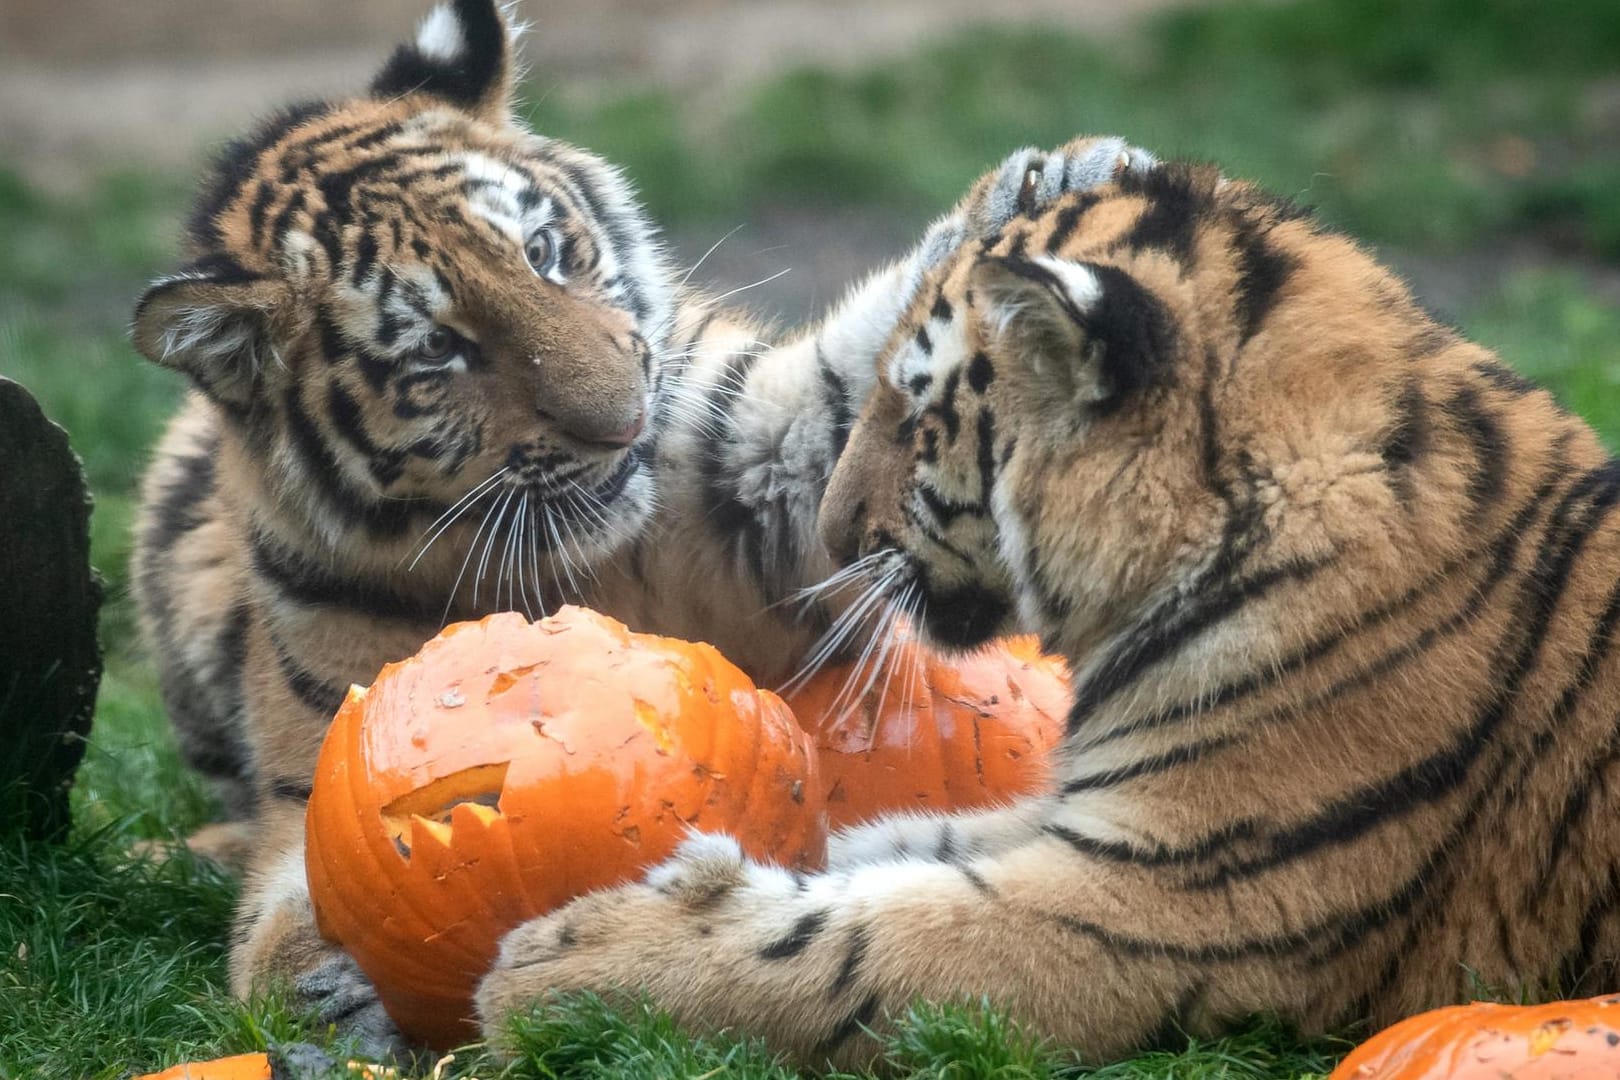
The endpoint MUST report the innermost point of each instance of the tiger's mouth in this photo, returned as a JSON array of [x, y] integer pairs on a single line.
[[596, 480], [954, 615]]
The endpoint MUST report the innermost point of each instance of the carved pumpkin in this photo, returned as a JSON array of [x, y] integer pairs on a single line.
[[509, 767], [935, 732], [239, 1067], [1562, 1040]]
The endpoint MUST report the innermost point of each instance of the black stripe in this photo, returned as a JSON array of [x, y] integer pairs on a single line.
[[1499, 556], [263, 196], [1262, 273], [365, 256], [1479, 426], [378, 134], [979, 373], [1187, 754], [944, 405], [798, 939], [986, 430], [850, 1026], [1407, 440], [623, 240], [1172, 627], [1179, 197], [283, 222], [383, 519], [1442, 771], [944, 510], [836, 393], [1578, 966], [1577, 799], [307, 583], [286, 787], [314, 693], [858, 940], [1068, 219], [1171, 1033], [975, 879], [1504, 378], [235, 167], [1159, 855], [732, 519], [178, 509], [1324, 939]]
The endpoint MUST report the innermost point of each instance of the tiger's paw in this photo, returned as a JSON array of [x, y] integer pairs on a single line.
[[677, 937], [1027, 182], [338, 993]]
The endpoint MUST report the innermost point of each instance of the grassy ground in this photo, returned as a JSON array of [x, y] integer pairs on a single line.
[[1445, 128]]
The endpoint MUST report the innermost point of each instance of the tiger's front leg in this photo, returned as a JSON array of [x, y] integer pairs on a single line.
[[817, 965], [937, 837]]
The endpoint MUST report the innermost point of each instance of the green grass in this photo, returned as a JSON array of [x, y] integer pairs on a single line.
[[1426, 125]]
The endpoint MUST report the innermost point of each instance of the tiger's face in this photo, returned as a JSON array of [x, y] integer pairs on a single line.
[[1113, 402], [406, 305]]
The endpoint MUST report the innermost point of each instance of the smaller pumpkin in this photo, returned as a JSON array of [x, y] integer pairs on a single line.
[[237, 1067], [1562, 1040], [934, 732], [271, 1066], [509, 767]]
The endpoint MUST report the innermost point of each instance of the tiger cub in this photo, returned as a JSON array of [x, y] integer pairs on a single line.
[[442, 367], [1340, 593]]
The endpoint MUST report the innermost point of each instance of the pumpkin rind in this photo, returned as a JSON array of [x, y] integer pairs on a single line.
[[1561, 1040], [510, 767], [935, 732]]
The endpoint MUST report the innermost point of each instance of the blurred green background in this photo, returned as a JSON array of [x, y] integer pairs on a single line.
[[1475, 145]]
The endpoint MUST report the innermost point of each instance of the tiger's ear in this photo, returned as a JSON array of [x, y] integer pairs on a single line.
[[462, 55], [1096, 333], [213, 322]]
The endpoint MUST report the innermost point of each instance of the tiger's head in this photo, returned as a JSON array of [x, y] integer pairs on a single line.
[[406, 302], [1172, 385]]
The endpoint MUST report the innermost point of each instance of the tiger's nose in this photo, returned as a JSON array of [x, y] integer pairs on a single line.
[[606, 436]]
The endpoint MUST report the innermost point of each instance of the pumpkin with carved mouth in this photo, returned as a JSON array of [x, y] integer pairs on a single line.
[[511, 766]]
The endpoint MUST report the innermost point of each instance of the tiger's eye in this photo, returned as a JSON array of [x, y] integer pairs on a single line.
[[438, 343], [541, 251]]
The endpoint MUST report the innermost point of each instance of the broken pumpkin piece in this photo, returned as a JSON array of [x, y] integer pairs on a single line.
[[576, 761], [937, 733]]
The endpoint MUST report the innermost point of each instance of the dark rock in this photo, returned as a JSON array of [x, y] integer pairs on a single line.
[[50, 662]]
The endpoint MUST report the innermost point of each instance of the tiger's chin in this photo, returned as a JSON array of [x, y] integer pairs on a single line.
[[964, 617], [576, 519]]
